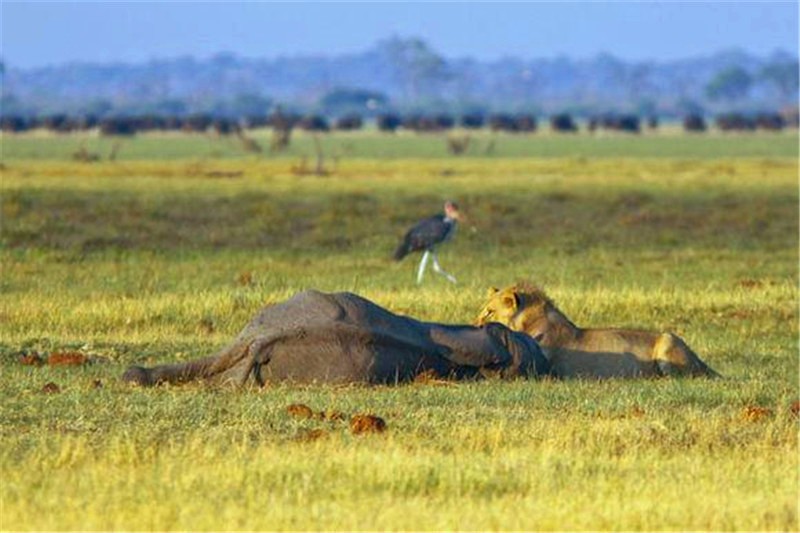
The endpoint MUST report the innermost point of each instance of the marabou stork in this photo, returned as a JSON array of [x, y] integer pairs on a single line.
[[426, 235]]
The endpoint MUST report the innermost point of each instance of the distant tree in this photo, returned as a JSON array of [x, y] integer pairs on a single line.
[[118, 126], [784, 76], [694, 122], [313, 123], [770, 121], [472, 120], [563, 122], [349, 122], [525, 123], [417, 64], [735, 121], [13, 123], [502, 122], [729, 84], [388, 122], [198, 122]]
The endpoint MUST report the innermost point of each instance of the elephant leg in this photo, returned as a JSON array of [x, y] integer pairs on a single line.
[[260, 352], [221, 367], [173, 373]]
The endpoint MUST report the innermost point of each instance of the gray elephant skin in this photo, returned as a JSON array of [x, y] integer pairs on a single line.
[[317, 337]]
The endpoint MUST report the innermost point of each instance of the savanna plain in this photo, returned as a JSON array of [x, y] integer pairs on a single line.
[[166, 252]]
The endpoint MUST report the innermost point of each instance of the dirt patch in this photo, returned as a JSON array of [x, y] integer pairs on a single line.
[[31, 359], [362, 423], [795, 408], [740, 314], [299, 410], [359, 424], [51, 388], [754, 413], [636, 412], [749, 283], [245, 279], [67, 359]]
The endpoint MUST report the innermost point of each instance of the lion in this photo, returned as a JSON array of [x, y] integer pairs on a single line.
[[317, 337], [589, 352]]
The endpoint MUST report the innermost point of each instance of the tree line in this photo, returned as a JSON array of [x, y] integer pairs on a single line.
[[388, 122]]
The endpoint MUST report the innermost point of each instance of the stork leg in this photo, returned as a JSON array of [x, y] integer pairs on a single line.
[[439, 270], [422, 264]]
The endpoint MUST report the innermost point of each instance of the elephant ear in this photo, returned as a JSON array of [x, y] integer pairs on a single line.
[[492, 291], [511, 300]]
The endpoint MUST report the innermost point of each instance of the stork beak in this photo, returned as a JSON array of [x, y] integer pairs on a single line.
[[460, 216], [467, 221]]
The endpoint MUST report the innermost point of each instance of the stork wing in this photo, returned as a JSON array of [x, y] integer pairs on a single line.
[[427, 233]]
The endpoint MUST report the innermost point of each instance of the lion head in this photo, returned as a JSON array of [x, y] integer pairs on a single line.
[[520, 307]]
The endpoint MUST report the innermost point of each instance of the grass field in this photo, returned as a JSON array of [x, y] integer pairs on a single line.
[[166, 253], [663, 143]]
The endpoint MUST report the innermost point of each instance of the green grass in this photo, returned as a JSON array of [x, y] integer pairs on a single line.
[[155, 261], [369, 144]]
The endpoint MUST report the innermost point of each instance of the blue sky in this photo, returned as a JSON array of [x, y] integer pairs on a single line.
[[43, 33]]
